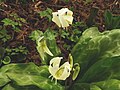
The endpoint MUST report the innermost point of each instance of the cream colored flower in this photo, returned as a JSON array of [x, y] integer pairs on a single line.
[[42, 48], [63, 17], [59, 72]]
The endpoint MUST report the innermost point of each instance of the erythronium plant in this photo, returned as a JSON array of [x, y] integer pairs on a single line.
[[63, 18]]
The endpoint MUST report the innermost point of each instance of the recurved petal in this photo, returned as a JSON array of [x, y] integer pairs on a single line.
[[41, 51], [55, 18], [55, 61], [46, 49], [54, 65], [53, 70], [69, 19], [65, 11]]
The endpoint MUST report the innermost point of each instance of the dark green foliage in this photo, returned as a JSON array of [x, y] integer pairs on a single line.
[[111, 22], [19, 75], [99, 57], [4, 36]]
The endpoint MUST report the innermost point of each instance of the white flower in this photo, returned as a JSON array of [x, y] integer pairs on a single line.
[[42, 47], [63, 17], [59, 72]]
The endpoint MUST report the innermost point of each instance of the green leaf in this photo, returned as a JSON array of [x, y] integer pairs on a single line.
[[99, 57], [109, 67], [111, 22], [16, 87], [80, 86], [112, 84], [108, 18], [28, 75], [3, 79], [116, 22], [95, 46]]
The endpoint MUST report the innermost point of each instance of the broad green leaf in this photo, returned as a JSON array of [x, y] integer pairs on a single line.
[[94, 87], [108, 18], [95, 46], [29, 75], [116, 22], [111, 22], [3, 79], [16, 87], [104, 69], [80, 86], [99, 57], [112, 84]]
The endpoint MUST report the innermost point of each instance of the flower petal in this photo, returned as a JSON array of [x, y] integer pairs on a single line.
[[69, 19], [56, 18], [46, 49], [63, 22], [63, 72], [41, 51], [63, 17], [54, 65]]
